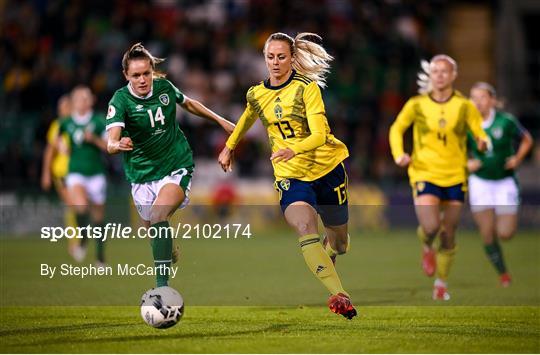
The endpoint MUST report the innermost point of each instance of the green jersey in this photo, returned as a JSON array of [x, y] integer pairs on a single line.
[[502, 128], [159, 146], [85, 158]]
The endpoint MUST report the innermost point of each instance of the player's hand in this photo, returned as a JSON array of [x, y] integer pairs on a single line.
[[512, 163], [284, 154], [46, 182], [403, 160], [225, 159], [482, 144], [228, 127], [473, 165], [89, 137], [125, 144]]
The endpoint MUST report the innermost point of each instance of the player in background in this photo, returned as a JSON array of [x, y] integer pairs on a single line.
[[307, 159], [86, 183], [441, 117], [158, 161], [493, 188], [55, 165]]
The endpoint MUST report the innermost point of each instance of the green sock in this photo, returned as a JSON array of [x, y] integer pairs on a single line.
[[100, 247], [83, 220], [495, 256], [162, 251]]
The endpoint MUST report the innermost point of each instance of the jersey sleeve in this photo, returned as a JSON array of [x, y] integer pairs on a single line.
[[53, 132], [243, 125], [316, 118], [179, 96], [474, 122], [517, 129], [403, 121], [115, 113]]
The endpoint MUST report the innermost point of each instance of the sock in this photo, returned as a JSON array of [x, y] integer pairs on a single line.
[[444, 258], [320, 263], [162, 252], [329, 250], [100, 247], [495, 256], [83, 220], [424, 238], [332, 253]]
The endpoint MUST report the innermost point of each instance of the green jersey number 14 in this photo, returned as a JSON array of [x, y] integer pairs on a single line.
[[159, 117]]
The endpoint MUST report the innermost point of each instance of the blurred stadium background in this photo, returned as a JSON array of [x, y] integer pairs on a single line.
[[213, 50]]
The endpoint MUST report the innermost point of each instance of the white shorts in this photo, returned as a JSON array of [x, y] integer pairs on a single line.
[[95, 186], [500, 195], [145, 194]]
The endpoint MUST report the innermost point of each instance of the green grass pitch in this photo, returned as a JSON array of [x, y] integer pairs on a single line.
[[257, 296]]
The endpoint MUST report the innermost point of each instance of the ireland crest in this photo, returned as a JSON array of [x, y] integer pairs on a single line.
[[164, 99]]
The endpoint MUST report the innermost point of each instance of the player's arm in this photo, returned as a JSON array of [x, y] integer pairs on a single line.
[[46, 167], [116, 143], [316, 118], [474, 121], [244, 123], [525, 146], [473, 163], [403, 121], [99, 141], [197, 108]]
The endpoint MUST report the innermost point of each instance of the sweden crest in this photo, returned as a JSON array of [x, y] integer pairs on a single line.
[[164, 99], [285, 184], [278, 111]]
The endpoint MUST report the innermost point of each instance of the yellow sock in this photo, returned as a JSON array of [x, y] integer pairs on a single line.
[[320, 263], [445, 257], [329, 250]]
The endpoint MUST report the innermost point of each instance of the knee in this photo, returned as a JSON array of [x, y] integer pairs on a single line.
[[505, 234], [303, 227], [158, 215], [431, 229]]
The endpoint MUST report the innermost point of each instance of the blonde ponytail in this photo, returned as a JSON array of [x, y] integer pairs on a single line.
[[311, 59]]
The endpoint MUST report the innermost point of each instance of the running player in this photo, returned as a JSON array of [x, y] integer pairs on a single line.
[[441, 117], [307, 158], [85, 181], [55, 166], [493, 189], [158, 161]]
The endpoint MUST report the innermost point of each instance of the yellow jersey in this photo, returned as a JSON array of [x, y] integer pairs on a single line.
[[60, 161], [294, 116], [439, 137]]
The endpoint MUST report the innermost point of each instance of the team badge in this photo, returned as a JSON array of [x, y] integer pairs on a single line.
[[442, 123], [420, 186], [497, 132], [164, 99], [285, 184], [278, 111], [111, 112]]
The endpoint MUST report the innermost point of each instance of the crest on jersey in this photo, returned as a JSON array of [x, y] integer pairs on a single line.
[[285, 184], [497, 132], [111, 112], [164, 99], [420, 186], [278, 111], [442, 123]]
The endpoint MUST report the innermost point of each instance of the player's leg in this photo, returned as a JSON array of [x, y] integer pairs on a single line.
[[302, 217], [336, 241], [427, 208], [69, 214], [97, 194], [78, 198], [447, 248]]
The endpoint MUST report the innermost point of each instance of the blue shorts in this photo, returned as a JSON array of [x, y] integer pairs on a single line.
[[450, 193], [328, 195]]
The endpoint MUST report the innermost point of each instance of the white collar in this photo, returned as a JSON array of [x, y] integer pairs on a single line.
[[132, 92], [489, 121], [82, 119]]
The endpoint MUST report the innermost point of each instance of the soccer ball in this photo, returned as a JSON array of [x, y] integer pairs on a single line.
[[162, 307]]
